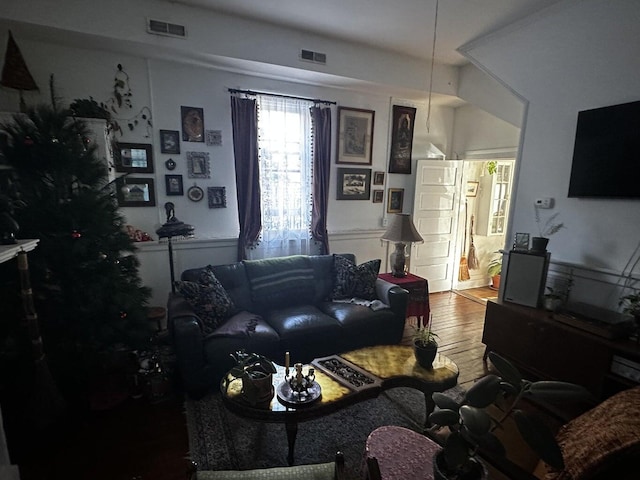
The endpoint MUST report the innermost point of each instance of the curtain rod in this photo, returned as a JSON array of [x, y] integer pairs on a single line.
[[251, 92]]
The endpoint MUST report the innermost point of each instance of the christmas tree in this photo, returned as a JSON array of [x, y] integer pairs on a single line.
[[90, 297]]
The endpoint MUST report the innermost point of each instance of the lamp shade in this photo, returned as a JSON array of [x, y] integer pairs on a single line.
[[401, 229]]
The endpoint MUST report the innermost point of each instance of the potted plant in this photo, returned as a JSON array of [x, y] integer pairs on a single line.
[[550, 226], [494, 270], [256, 372], [553, 300], [472, 428], [425, 345]]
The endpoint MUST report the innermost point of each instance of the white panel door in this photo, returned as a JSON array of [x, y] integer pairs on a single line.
[[434, 215]]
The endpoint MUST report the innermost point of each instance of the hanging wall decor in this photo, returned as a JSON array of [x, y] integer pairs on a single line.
[[169, 141], [355, 136], [217, 197], [195, 193], [354, 184], [192, 124], [173, 185], [198, 165], [401, 139], [135, 192]]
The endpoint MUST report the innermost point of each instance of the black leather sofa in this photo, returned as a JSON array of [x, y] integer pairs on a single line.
[[307, 328]]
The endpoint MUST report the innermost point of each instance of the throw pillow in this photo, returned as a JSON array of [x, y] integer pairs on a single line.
[[351, 280], [210, 302]]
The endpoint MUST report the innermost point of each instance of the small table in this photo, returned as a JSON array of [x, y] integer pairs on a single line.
[[401, 453], [384, 366], [418, 288]]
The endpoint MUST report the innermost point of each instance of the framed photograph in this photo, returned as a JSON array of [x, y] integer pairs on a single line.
[[173, 184], [198, 165], [133, 158], [401, 139], [169, 141], [195, 193], [213, 138], [355, 136], [192, 124], [378, 178], [354, 184], [472, 189], [521, 241], [217, 197], [378, 195], [135, 192], [395, 199]]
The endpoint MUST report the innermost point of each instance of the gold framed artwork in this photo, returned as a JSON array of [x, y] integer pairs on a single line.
[[355, 136], [395, 200], [378, 195]]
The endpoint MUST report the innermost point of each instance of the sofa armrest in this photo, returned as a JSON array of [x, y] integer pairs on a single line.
[[394, 296]]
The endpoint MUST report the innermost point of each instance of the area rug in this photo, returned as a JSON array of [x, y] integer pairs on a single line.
[[221, 440]]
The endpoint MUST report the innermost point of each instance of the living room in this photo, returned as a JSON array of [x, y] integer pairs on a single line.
[[523, 89]]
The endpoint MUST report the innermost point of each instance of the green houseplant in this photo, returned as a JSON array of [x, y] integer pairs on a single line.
[[425, 345], [256, 372], [494, 269], [472, 428], [545, 230]]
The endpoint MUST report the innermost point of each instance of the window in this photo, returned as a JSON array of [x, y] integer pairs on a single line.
[[285, 157]]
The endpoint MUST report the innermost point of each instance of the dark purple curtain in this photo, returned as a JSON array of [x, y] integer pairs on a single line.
[[321, 120], [244, 118]]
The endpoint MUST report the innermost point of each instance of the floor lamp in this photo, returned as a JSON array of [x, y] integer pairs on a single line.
[[173, 228]]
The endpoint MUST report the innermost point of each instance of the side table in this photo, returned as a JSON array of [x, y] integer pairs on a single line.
[[418, 288]]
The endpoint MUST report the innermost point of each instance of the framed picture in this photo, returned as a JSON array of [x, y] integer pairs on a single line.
[[401, 139], [378, 178], [217, 197], [173, 184], [213, 138], [133, 158], [355, 136], [521, 241], [192, 124], [354, 184], [378, 196], [169, 141], [198, 165], [395, 199], [472, 189], [195, 193], [135, 192]]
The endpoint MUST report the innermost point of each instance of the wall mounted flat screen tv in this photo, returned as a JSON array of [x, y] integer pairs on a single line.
[[606, 153]]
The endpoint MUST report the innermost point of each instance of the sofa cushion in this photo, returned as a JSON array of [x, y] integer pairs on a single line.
[[351, 280], [210, 302], [605, 437], [277, 282]]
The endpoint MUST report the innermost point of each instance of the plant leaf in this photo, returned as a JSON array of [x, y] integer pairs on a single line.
[[476, 420], [539, 438], [550, 389], [456, 450], [483, 393], [506, 369], [444, 417], [443, 401]]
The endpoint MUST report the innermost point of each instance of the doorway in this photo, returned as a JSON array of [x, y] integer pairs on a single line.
[[482, 224]]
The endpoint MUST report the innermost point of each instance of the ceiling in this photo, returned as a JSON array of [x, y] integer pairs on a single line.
[[403, 26]]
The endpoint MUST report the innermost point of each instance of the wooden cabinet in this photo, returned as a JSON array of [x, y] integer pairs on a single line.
[[539, 343]]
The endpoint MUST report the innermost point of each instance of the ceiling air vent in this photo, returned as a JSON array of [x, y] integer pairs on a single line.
[[158, 27], [314, 57]]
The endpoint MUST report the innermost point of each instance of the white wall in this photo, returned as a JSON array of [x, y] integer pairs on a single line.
[[83, 58], [578, 55]]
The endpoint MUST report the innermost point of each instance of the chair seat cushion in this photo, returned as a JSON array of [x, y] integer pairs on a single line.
[[605, 437], [319, 471]]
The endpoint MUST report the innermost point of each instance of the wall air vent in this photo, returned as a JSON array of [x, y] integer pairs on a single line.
[[314, 57], [158, 27]]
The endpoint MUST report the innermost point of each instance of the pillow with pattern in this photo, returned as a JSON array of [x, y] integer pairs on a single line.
[[210, 301], [351, 280]]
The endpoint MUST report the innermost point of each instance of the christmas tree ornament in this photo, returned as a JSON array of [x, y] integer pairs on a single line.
[[76, 234]]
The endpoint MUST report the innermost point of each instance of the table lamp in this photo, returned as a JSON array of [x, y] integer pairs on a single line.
[[173, 228], [401, 231]]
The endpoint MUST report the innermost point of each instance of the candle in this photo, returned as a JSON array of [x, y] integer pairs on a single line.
[[286, 360]]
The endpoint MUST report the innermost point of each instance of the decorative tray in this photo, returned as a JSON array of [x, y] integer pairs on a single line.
[[345, 372], [287, 398]]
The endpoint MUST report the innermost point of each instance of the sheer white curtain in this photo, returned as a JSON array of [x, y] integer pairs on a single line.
[[285, 157]]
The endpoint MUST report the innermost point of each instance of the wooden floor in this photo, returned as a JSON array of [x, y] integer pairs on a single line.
[[141, 441]]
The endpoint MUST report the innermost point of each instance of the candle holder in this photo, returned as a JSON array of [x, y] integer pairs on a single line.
[[298, 389]]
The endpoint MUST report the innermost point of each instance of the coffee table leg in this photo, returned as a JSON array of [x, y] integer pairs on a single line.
[[292, 431]]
